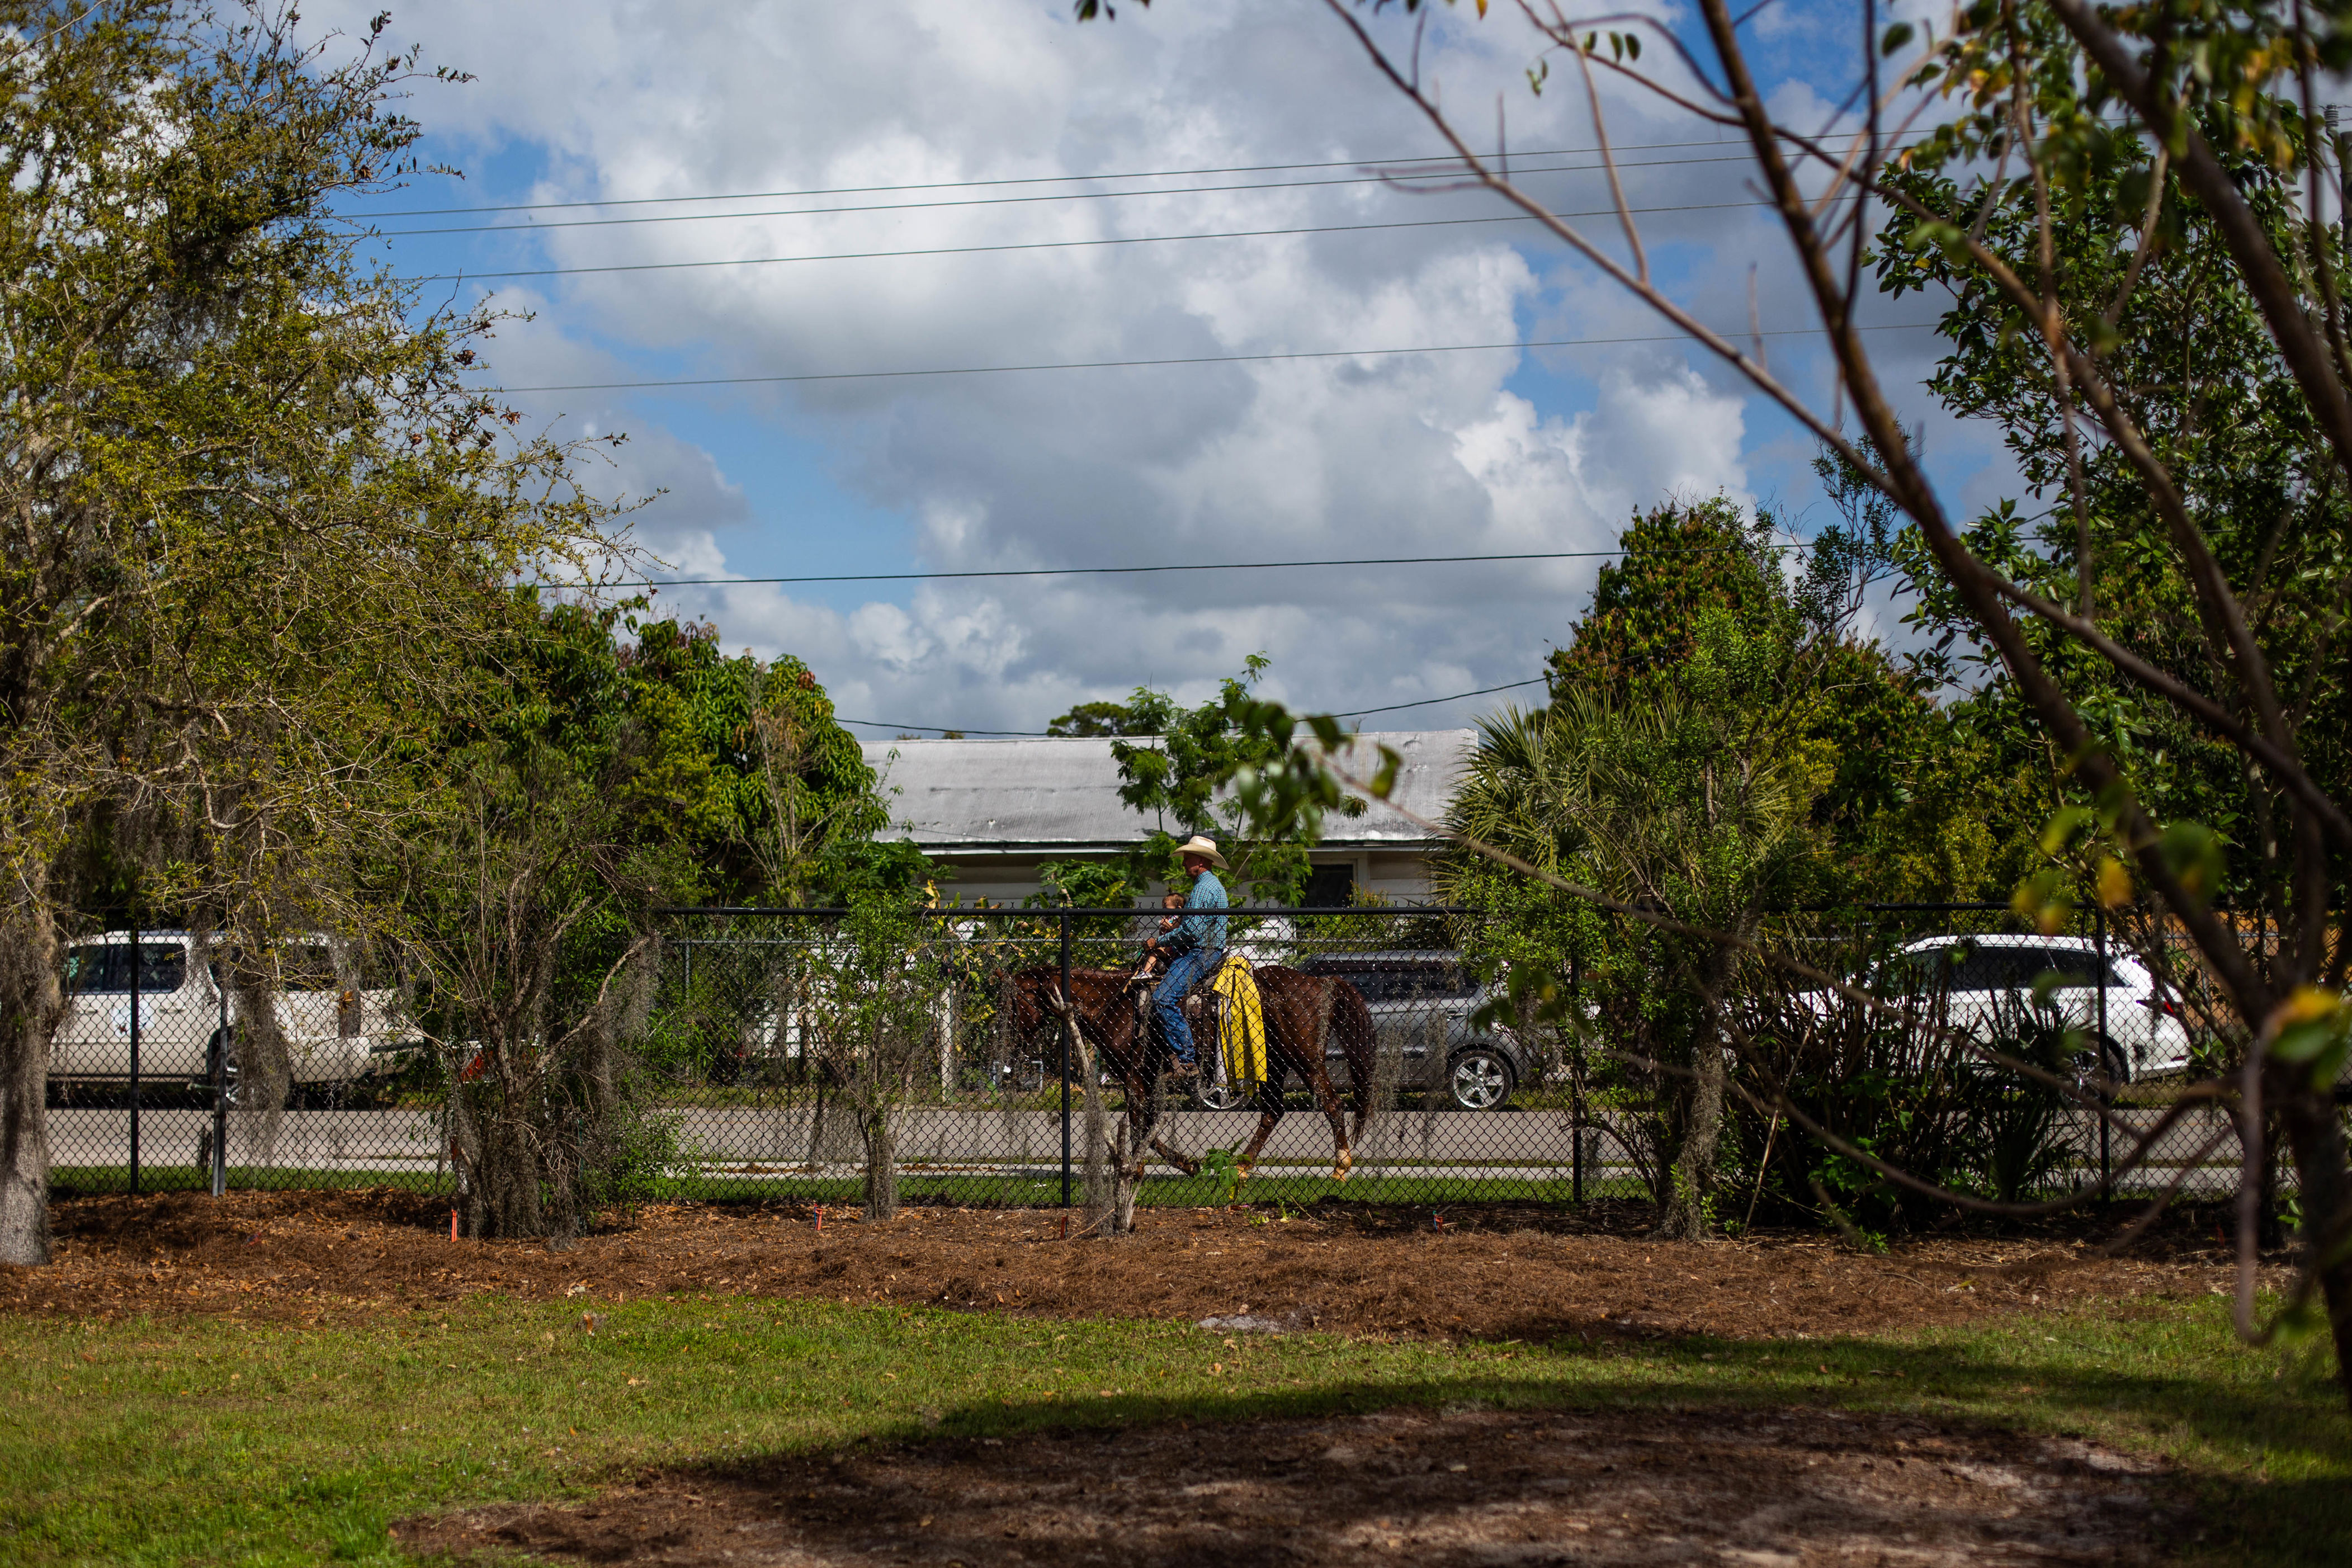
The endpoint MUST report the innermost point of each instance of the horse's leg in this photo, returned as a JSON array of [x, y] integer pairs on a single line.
[[1173, 1155], [1352, 1020], [1143, 1117], [1269, 1111], [1305, 1025], [1343, 1156]]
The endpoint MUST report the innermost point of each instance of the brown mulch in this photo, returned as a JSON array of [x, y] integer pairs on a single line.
[[1497, 1272], [1785, 1487]]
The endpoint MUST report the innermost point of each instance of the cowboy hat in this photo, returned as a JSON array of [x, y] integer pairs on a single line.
[[1205, 848]]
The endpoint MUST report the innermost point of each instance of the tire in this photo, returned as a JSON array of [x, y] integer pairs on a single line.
[[2105, 1060], [1479, 1078], [1220, 1096]]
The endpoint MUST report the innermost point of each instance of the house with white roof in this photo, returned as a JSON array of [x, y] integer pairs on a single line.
[[997, 810]]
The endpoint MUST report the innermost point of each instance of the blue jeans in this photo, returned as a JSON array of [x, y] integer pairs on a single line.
[[1167, 997]]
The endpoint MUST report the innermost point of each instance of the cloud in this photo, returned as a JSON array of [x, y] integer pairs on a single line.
[[1487, 452]]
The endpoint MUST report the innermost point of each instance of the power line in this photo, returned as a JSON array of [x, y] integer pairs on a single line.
[[959, 733], [1049, 735], [1139, 571], [1448, 162], [1180, 360], [1012, 201], [1429, 701], [1069, 244]]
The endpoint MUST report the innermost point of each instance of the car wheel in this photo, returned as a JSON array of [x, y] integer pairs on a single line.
[[1479, 1078], [2104, 1061], [1211, 1095]]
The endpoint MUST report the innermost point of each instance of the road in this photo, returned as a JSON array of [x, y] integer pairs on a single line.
[[739, 1143]]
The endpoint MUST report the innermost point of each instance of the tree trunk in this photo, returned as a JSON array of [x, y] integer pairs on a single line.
[[1126, 1179], [1689, 1214], [503, 1164], [878, 1128], [2316, 1137], [30, 1005]]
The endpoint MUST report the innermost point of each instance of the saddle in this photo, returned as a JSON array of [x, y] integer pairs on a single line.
[[1198, 998]]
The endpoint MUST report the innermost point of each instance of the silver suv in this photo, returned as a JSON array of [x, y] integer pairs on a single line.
[[1422, 1001]]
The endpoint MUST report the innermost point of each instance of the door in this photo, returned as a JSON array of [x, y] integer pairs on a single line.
[[94, 1040]]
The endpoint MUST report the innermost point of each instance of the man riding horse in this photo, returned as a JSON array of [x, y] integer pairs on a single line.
[[1192, 950]]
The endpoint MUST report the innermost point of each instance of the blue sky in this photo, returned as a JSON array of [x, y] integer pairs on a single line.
[[1399, 454]]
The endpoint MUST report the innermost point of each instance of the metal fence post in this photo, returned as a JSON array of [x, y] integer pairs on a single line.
[[2106, 1097], [1069, 1023], [134, 1056], [1576, 1082], [220, 1088]]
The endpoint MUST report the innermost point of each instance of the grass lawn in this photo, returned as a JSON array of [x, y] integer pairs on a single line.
[[218, 1442]]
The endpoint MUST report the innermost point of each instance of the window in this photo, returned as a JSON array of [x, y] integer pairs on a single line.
[[1329, 888], [308, 969], [95, 968], [1965, 967], [1396, 982]]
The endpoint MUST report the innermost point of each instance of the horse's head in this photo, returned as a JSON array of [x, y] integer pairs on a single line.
[[1035, 1001]]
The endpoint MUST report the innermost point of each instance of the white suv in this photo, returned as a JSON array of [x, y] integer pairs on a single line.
[[1989, 979], [333, 1031]]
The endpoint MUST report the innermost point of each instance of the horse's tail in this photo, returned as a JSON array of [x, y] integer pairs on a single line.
[[1349, 1017]]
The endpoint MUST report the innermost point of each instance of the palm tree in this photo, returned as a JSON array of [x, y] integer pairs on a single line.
[[1690, 795]]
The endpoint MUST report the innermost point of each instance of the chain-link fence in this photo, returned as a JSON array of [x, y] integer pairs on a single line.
[[1002, 1056]]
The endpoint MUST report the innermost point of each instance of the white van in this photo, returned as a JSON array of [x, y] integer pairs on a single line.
[[333, 1031]]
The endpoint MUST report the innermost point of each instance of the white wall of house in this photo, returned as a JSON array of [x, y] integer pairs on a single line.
[[996, 811]]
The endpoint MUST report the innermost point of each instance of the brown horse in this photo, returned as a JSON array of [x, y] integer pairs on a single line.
[[1112, 1008]]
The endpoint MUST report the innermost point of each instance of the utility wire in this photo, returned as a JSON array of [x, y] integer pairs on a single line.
[[1180, 360], [1050, 197], [1070, 244], [1429, 701], [989, 734], [1139, 571], [1446, 162], [1049, 735]]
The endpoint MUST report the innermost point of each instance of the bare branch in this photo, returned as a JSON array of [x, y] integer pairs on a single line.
[[1609, 161]]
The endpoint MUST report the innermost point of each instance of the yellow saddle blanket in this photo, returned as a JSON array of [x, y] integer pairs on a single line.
[[1241, 1027]]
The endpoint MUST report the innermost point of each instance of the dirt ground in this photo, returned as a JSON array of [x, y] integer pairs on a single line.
[[1498, 1272], [1688, 1485], [1790, 1486]]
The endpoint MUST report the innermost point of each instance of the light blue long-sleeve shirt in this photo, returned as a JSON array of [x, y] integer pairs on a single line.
[[1202, 931]]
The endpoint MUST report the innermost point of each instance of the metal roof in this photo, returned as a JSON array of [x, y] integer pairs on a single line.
[[1058, 795]]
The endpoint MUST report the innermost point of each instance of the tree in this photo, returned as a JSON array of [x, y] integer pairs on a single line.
[[260, 517], [1181, 776], [1902, 814], [783, 783], [586, 781], [2253, 477], [1092, 719], [1677, 561], [547, 819], [1688, 792]]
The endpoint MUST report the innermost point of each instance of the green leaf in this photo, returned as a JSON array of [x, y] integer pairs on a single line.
[[1897, 37], [2194, 854]]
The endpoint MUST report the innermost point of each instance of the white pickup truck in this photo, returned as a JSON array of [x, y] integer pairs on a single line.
[[335, 1031]]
